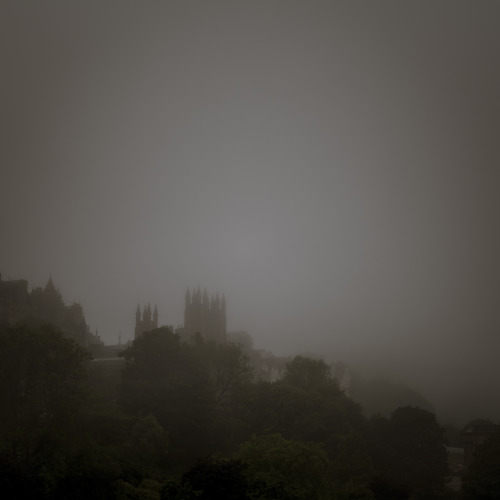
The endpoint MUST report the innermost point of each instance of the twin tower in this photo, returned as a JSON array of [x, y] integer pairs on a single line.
[[148, 321], [201, 315]]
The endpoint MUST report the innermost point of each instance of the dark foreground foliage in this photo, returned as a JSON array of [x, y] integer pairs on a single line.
[[188, 422], [483, 480]]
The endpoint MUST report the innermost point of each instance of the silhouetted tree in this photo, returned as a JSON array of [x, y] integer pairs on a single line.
[[212, 479], [42, 390], [228, 369], [188, 387], [310, 375], [165, 378], [409, 453], [483, 479], [322, 415], [42, 382], [279, 468]]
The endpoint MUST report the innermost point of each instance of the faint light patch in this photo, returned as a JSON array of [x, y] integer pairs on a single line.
[[247, 247]]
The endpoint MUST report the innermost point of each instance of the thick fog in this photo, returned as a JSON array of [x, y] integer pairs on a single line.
[[331, 167]]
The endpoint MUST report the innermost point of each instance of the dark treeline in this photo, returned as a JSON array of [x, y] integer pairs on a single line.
[[187, 421]]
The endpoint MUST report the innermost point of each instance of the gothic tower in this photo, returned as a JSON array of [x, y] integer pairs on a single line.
[[205, 317], [147, 322]]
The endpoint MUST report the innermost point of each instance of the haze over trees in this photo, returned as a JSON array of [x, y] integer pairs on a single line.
[[330, 166], [190, 422], [482, 482]]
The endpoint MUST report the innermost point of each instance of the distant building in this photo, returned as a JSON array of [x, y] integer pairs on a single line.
[[43, 306], [147, 322], [201, 316], [208, 318]]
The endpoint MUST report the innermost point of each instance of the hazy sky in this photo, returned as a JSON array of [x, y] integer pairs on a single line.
[[332, 167]]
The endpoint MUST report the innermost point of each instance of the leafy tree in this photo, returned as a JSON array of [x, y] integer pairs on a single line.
[[146, 490], [188, 387], [409, 453], [419, 441], [228, 369], [147, 441], [310, 375], [273, 408], [355, 491], [483, 480], [42, 390], [351, 463], [306, 405], [385, 483], [177, 490], [90, 472], [278, 468], [111, 451], [229, 376], [165, 378], [214, 478], [42, 385]]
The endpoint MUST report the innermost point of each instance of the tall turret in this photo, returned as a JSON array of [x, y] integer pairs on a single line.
[[205, 316], [155, 317], [51, 294], [147, 313], [223, 318], [49, 287], [147, 322], [187, 309]]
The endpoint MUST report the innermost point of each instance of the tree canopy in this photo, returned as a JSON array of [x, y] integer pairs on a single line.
[[186, 386], [310, 375], [42, 377], [42, 390], [409, 452], [483, 479], [284, 469], [190, 422]]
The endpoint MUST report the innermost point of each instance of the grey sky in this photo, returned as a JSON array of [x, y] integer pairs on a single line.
[[332, 167]]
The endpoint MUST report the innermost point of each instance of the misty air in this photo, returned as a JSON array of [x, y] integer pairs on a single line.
[[249, 250]]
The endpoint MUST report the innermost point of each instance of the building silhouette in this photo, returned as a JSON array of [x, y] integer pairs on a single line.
[[147, 322], [204, 316], [43, 306]]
